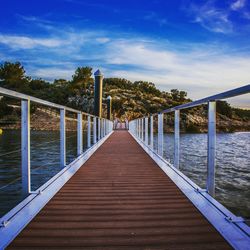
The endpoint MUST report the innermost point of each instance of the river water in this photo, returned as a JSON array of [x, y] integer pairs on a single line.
[[232, 167]]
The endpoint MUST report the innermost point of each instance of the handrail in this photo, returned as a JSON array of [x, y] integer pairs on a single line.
[[21, 96], [139, 127], [143, 130], [227, 94], [101, 127]]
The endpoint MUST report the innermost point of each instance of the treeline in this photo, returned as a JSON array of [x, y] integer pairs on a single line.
[[79, 91], [130, 99]]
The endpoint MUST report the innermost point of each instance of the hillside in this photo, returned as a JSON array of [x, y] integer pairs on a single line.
[[129, 99]]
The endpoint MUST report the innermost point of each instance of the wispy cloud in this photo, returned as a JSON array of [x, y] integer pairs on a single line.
[[191, 68], [53, 72], [215, 18], [25, 42], [200, 69], [238, 4], [212, 18]]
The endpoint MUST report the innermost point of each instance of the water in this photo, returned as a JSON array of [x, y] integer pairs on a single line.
[[232, 169], [45, 162], [232, 166]]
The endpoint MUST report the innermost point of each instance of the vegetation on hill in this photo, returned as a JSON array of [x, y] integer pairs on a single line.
[[129, 99]]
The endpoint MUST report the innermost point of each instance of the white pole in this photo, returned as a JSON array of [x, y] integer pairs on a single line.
[[62, 138], [211, 148], [177, 139], [79, 133], [25, 137]]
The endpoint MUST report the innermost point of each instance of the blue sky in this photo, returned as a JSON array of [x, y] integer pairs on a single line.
[[199, 46]]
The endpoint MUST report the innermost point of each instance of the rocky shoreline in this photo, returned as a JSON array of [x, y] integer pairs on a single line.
[[49, 120]]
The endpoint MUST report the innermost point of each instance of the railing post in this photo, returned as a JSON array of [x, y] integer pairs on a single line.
[[142, 129], [177, 139], [139, 128], [152, 132], [99, 129], [102, 132], [211, 148], [79, 134], [94, 130], [89, 132], [62, 139], [136, 128], [105, 132], [146, 130], [25, 147], [160, 134]]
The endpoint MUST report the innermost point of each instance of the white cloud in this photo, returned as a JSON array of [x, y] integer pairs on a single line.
[[212, 18], [102, 39], [51, 73], [200, 69], [24, 42], [196, 71], [238, 4]]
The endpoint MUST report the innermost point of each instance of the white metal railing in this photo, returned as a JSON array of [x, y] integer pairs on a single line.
[[100, 125], [139, 128]]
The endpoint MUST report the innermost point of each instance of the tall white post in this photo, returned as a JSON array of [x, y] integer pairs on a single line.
[[139, 128], [99, 129], [160, 134], [152, 132], [89, 132], [211, 148], [146, 130], [177, 139], [94, 130], [79, 134], [105, 131], [62, 139], [25, 137]]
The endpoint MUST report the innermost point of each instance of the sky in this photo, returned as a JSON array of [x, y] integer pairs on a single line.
[[202, 47]]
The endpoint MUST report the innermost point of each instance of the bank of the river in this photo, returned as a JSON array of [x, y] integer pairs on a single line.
[[41, 120], [49, 120]]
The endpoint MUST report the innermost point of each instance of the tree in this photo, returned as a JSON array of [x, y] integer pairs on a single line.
[[60, 82], [147, 87], [178, 96], [82, 77], [182, 95], [12, 75], [224, 108]]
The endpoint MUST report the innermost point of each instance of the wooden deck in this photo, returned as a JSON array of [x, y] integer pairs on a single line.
[[119, 199]]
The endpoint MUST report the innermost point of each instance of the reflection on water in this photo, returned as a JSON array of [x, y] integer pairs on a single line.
[[232, 168]]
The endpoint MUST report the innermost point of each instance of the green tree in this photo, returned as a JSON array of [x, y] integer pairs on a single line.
[[60, 82], [178, 96], [224, 108], [12, 76], [82, 78]]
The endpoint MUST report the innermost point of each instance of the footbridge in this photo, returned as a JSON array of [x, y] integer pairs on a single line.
[[121, 192]]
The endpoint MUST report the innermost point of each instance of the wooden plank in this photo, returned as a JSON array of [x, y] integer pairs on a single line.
[[119, 199]]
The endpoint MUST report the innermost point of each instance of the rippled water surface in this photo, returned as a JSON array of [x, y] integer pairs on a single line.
[[45, 162], [232, 168]]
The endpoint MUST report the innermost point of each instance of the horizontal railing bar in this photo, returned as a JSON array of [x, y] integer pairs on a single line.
[[17, 95], [227, 94]]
